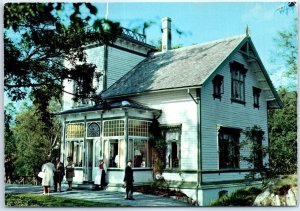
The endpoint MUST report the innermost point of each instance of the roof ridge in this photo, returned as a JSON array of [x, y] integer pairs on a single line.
[[204, 43]]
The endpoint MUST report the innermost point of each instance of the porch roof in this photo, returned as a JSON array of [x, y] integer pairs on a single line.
[[113, 104]]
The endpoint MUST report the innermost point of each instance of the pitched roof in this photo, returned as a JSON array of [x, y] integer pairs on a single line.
[[183, 67], [123, 103]]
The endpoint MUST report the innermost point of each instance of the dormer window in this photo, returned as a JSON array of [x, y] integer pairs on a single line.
[[218, 86], [256, 93], [238, 74]]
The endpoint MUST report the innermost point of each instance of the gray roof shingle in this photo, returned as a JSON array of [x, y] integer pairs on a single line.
[[183, 67]]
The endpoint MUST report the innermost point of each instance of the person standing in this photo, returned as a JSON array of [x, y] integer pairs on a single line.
[[58, 175], [70, 172], [128, 181], [103, 169], [47, 182]]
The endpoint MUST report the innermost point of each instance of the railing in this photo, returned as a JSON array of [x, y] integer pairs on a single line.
[[133, 35], [22, 180]]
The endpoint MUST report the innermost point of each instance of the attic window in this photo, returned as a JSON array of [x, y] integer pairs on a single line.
[[256, 93], [218, 86], [238, 74]]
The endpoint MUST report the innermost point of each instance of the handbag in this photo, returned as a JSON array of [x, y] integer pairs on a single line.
[[41, 174]]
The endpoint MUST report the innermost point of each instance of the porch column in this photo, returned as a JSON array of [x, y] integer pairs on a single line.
[[85, 163], [126, 137], [63, 149]]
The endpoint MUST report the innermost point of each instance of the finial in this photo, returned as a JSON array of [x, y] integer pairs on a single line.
[[247, 31]]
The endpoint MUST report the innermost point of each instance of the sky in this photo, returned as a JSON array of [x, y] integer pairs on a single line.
[[206, 21]]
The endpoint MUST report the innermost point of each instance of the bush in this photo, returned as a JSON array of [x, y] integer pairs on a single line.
[[241, 197]]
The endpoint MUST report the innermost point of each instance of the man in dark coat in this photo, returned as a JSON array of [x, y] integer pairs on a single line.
[[128, 181], [58, 175]]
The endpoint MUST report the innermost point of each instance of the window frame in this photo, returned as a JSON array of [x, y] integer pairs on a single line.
[[71, 152], [238, 75], [233, 148], [256, 95], [218, 86], [88, 128], [168, 161], [132, 155]]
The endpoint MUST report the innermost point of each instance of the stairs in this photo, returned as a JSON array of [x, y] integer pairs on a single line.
[[86, 185]]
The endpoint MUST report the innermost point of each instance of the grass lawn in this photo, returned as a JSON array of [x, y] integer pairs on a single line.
[[35, 200]]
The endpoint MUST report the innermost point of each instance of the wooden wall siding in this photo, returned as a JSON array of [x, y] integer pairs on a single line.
[[216, 177], [119, 63], [177, 108], [140, 114], [184, 177], [96, 56], [68, 86], [231, 114]]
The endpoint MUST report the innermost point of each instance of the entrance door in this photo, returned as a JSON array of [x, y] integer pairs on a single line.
[[89, 159]]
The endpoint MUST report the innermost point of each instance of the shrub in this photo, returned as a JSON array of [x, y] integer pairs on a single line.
[[241, 197]]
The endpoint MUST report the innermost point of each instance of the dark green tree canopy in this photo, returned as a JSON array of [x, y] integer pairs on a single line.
[[38, 45]]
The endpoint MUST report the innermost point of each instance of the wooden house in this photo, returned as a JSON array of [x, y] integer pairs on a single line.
[[203, 96]]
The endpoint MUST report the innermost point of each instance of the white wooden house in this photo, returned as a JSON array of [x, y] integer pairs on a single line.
[[203, 95]]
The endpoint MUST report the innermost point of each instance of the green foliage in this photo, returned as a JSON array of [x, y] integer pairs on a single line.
[[284, 183], [41, 51], [34, 200], [286, 55], [283, 135], [34, 141], [9, 142], [158, 145], [253, 144], [242, 197]]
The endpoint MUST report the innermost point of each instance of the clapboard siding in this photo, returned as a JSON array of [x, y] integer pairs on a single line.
[[177, 108], [223, 112], [119, 63], [96, 56]]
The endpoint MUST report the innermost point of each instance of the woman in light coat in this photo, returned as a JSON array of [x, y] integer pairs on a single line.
[[47, 182]]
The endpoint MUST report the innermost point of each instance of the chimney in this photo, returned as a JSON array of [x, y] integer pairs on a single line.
[[166, 34]]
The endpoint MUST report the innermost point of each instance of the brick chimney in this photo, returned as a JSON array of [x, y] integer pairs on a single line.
[[166, 34]]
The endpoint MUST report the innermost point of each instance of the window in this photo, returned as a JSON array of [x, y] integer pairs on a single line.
[[256, 93], [98, 152], [138, 152], [114, 150], [258, 149], [238, 74], [75, 130], [172, 137], [229, 148], [223, 193], [218, 86], [138, 128], [75, 151], [113, 128], [79, 90], [93, 130]]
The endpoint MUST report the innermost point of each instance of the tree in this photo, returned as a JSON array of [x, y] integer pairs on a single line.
[[283, 135], [286, 55], [38, 45], [9, 142], [34, 141]]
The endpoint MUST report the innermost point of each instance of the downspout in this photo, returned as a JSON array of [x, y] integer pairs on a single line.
[[199, 144], [105, 64]]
